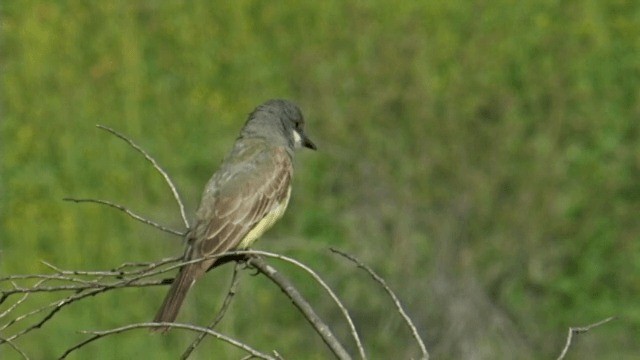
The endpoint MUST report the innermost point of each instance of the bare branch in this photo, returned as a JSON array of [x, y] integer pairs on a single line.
[[15, 347], [13, 307], [81, 289], [100, 334], [129, 278], [16, 304], [128, 212], [43, 277], [85, 284], [58, 305], [324, 285], [318, 279], [298, 300], [153, 162], [118, 271], [223, 309], [380, 280], [580, 330], [76, 288]]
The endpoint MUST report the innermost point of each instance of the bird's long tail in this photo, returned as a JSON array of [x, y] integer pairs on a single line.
[[176, 295]]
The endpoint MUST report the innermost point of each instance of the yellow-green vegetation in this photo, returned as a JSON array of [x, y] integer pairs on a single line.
[[484, 157]]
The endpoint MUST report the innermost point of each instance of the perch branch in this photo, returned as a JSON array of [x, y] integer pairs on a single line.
[[81, 289], [85, 284]]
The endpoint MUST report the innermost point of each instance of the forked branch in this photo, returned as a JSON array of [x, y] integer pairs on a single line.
[[579, 330], [100, 334], [396, 302], [76, 285], [153, 162]]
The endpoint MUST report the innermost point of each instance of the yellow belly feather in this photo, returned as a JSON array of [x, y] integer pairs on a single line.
[[266, 223]]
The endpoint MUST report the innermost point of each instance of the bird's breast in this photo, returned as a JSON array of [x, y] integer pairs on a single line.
[[267, 222]]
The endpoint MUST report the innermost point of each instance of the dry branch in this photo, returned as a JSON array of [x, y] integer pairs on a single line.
[[233, 288], [128, 212], [322, 283], [307, 310], [84, 284], [100, 334], [153, 162], [396, 302], [580, 330], [15, 348]]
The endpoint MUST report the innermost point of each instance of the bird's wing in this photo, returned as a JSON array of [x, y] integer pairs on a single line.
[[256, 187]]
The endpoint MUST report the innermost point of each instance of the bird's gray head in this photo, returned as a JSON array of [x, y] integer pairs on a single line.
[[279, 122]]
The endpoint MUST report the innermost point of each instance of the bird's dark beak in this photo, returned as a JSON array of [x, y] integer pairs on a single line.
[[306, 142]]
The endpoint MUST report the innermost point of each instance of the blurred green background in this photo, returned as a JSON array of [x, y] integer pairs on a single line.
[[483, 157]]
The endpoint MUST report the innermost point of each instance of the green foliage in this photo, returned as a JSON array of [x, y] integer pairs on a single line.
[[507, 131]]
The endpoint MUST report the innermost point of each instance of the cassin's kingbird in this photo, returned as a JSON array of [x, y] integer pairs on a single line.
[[245, 197]]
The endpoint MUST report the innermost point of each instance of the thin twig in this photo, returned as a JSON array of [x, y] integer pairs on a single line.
[[380, 280], [129, 278], [316, 277], [81, 291], [16, 348], [322, 329], [117, 271], [298, 300], [87, 289], [145, 266], [59, 304], [223, 309], [100, 334], [77, 288], [153, 162], [580, 330], [89, 283], [15, 305], [324, 285], [128, 212], [46, 277]]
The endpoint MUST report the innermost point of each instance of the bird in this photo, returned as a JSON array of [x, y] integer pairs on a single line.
[[248, 193]]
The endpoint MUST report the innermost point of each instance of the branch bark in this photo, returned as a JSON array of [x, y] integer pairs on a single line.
[[396, 302], [153, 162], [579, 330], [100, 334], [299, 301], [223, 309], [84, 284]]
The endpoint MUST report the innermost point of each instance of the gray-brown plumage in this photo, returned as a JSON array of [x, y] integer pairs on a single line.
[[248, 193]]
